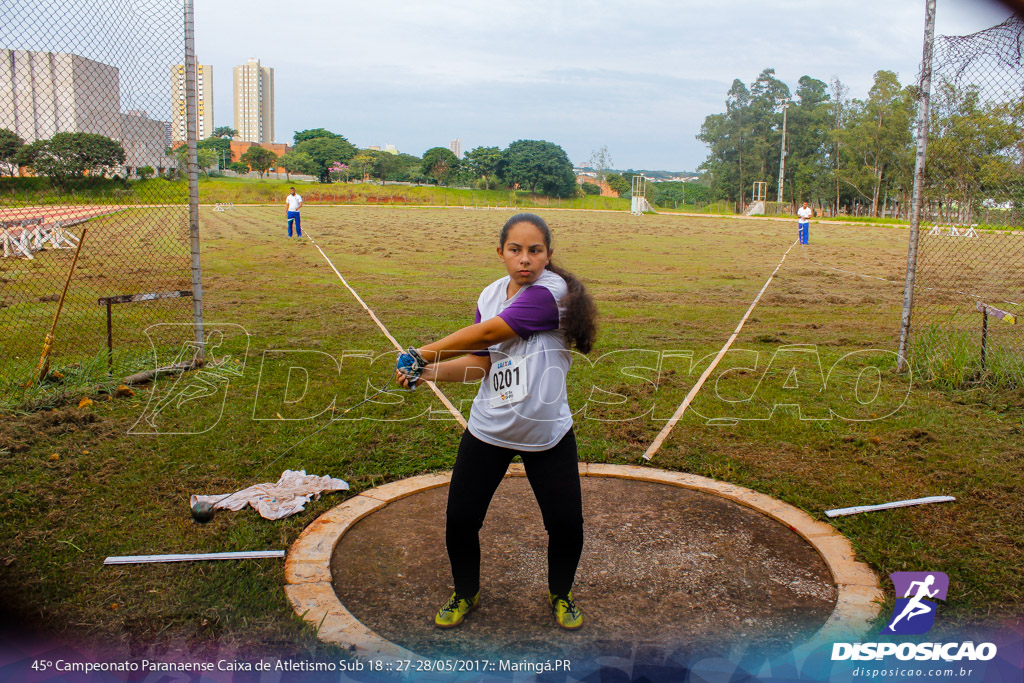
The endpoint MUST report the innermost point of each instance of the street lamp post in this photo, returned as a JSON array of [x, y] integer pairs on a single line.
[[782, 154]]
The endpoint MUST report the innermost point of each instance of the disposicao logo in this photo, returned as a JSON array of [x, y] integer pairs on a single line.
[[914, 614]]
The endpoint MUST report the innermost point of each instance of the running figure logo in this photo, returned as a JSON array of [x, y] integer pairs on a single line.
[[913, 613]]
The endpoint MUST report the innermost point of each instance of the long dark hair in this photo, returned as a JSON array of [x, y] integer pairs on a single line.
[[580, 320]]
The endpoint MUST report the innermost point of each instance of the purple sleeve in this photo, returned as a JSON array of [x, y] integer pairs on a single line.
[[534, 311]]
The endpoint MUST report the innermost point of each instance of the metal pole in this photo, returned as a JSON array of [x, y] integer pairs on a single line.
[[984, 335], [110, 339], [918, 197], [193, 177], [782, 154]]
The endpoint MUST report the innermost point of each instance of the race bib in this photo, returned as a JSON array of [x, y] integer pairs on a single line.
[[508, 381]]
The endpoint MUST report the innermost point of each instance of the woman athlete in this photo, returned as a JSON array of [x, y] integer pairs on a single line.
[[519, 344]]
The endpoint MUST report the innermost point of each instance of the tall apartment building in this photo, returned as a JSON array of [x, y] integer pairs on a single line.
[[204, 102], [456, 147], [44, 93], [254, 101]]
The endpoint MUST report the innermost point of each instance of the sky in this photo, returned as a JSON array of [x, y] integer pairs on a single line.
[[638, 77]]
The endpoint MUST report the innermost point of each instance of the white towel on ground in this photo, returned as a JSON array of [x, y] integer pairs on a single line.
[[275, 501]]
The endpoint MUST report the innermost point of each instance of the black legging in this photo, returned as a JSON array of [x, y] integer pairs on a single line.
[[554, 476]]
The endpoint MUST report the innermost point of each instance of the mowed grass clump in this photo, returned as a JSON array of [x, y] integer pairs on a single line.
[[297, 349]]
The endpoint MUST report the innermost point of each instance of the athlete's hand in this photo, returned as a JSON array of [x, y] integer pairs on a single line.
[[409, 367]]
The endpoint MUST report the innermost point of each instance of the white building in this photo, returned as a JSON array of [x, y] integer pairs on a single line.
[[204, 102], [254, 101], [44, 93], [456, 147]]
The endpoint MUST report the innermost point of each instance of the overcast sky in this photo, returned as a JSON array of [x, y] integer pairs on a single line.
[[636, 76]]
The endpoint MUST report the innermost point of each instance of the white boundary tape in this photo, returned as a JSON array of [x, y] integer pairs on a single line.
[[663, 434], [433, 387]]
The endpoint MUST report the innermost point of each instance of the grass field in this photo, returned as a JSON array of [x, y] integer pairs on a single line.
[[79, 484]]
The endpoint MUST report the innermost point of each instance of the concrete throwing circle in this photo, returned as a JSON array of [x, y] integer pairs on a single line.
[[671, 561]]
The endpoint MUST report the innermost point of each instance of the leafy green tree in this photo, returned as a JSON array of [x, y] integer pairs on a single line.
[[205, 158], [728, 137], [619, 184], [68, 156], [385, 165], [145, 172], [767, 96], [221, 131], [10, 145], [440, 164], [408, 168], [540, 166], [487, 163], [297, 162], [312, 134], [258, 159], [970, 151], [590, 188], [362, 162], [220, 147], [808, 175], [325, 151], [877, 143], [238, 167]]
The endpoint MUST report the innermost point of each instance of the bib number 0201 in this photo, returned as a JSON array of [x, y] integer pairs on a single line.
[[508, 381], [504, 379]]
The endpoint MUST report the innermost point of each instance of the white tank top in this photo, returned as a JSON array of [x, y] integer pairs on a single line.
[[522, 403]]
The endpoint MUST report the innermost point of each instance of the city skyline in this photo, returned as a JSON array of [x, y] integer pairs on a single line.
[[640, 80]]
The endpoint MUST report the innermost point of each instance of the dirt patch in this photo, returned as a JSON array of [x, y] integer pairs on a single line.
[[663, 568]]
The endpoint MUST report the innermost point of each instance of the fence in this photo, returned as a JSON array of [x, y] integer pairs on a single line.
[[968, 288], [92, 95]]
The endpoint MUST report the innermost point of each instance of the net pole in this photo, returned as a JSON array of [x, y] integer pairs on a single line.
[[923, 102], [192, 128]]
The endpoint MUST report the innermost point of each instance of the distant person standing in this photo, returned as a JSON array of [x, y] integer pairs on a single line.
[[294, 202], [804, 214]]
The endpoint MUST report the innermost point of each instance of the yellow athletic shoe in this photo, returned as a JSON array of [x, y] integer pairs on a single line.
[[567, 614], [455, 610]]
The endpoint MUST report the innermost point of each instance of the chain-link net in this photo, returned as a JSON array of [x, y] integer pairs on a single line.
[[88, 94], [969, 291]]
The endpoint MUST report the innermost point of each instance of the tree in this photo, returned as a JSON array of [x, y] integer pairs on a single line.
[[590, 188], [601, 162], [808, 175], [312, 134], [205, 158], [540, 166], [325, 151], [728, 136], [440, 164], [68, 156], [238, 167], [487, 163], [970, 157], [221, 131], [10, 145], [297, 162], [220, 147], [619, 185], [384, 166], [145, 172], [877, 143], [258, 159], [362, 163]]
